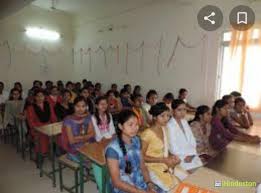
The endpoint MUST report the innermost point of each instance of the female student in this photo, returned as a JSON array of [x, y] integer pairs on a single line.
[[151, 99], [60, 86], [139, 111], [115, 105], [89, 101], [102, 120], [168, 99], [64, 108], [183, 94], [18, 86], [125, 99], [240, 115], [181, 140], [160, 163], [128, 88], [78, 128], [14, 112], [137, 90], [223, 132], [201, 129], [69, 86], [124, 158], [38, 114], [98, 89], [114, 88], [14, 107], [54, 96]]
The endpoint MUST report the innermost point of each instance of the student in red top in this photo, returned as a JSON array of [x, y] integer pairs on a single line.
[[54, 97], [40, 113]]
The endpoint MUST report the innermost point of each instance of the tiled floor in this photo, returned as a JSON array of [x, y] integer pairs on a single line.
[[18, 176]]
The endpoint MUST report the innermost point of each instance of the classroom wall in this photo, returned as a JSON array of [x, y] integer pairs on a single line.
[[195, 69], [27, 61]]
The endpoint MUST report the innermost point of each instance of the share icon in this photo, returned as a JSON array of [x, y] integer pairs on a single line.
[[206, 18]]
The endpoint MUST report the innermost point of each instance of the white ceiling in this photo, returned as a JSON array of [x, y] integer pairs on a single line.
[[92, 9]]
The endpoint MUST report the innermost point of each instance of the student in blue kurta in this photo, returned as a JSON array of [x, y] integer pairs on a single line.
[[124, 159]]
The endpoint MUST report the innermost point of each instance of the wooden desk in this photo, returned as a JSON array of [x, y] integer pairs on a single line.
[[237, 164], [206, 178], [51, 130], [247, 148], [96, 153]]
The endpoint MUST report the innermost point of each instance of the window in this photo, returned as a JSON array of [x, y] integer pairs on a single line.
[[242, 75]]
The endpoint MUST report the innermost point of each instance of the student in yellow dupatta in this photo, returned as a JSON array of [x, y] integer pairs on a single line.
[[160, 163]]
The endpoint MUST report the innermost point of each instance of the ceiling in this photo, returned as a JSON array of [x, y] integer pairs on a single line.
[[8, 7], [92, 9]]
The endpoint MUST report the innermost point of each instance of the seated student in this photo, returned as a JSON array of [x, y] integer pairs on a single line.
[[14, 107], [37, 84], [78, 128], [115, 105], [139, 111], [60, 86], [125, 99], [125, 162], [230, 99], [241, 115], [91, 90], [18, 86], [89, 101], [53, 98], [84, 82], [151, 99], [40, 113], [183, 94], [64, 108], [98, 90], [48, 87], [77, 88], [128, 88], [223, 132], [14, 111], [168, 99], [30, 97], [235, 94], [69, 86], [102, 120], [114, 88], [181, 139], [201, 129], [160, 163], [137, 90]]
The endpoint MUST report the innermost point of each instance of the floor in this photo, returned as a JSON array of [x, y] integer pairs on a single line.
[[18, 176]]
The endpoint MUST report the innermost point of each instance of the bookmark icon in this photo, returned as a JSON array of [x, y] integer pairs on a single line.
[[241, 17]]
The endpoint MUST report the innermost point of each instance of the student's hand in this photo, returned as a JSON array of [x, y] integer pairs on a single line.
[[169, 162], [255, 139], [189, 158], [175, 159]]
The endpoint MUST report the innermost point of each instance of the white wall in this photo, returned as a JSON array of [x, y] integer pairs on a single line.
[[26, 65], [167, 18]]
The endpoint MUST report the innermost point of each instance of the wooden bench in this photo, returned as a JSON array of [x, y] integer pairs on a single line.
[[63, 163]]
